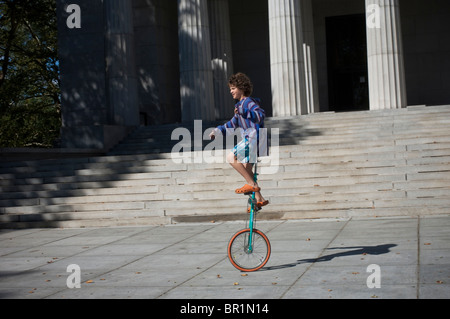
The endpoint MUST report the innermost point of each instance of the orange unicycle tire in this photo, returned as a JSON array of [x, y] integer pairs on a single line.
[[246, 255]]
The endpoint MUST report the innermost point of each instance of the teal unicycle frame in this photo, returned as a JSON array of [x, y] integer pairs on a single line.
[[253, 207], [249, 249]]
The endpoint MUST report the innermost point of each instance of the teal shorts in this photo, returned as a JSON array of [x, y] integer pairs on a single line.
[[246, 152]]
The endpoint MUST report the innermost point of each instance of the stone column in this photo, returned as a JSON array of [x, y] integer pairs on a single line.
[[196, 77], [82, 70], [120, 64], [309, 54], [286, 58], [222, 57], [387, 88]]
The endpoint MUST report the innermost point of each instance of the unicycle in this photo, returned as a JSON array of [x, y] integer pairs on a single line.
[[249, 249]]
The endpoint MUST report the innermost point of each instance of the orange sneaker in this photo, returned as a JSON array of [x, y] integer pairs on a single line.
[[260, 205], [247, 189]]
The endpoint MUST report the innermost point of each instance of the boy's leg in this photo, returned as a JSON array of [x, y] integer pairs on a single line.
[[242, 150], [242, 169], [249, 168]]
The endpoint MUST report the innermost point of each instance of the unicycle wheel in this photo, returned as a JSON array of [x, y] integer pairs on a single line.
[[245, 259]]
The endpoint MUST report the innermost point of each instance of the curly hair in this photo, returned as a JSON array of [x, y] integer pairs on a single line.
[[242, 82]]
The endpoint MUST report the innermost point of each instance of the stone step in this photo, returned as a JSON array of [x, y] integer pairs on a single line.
[[348, 164], [199, 192], [291, 168], [51, 173], [292, 207], [294, 130], [295, 159], [331, 183]]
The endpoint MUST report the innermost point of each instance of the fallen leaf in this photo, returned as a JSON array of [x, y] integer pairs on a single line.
[[427, 244], [89, 281], [244, 275], [440, 282], [236, 284]]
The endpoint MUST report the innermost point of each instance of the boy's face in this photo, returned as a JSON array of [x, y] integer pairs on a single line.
[[236, 93]]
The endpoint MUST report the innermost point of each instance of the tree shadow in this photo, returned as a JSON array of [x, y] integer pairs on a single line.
[[357, 250], [130, 181]]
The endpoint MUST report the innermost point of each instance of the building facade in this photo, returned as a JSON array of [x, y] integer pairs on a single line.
[[147, 62]]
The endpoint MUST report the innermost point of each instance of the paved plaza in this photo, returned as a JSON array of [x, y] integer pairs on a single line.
[[408, 258]]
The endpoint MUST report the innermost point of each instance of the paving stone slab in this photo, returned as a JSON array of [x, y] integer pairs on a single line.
[[189, 261]]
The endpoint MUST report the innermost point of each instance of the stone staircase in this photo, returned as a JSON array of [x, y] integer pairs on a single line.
[[378, 163]]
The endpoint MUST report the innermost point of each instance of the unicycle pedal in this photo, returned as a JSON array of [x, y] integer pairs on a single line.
[[253, 203], [257, 209]]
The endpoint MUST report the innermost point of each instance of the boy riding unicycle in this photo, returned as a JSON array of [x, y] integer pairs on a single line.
[[249, 119]]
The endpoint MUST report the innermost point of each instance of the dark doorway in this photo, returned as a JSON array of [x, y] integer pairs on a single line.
[[249, 21], [348, 87]]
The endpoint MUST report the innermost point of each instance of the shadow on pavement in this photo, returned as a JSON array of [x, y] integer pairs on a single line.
[[358, 250]]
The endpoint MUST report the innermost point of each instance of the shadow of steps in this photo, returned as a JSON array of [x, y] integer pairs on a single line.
[[381, 163]]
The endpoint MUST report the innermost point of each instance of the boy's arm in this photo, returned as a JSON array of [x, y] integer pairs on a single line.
[[231, 124], [252, 111]]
